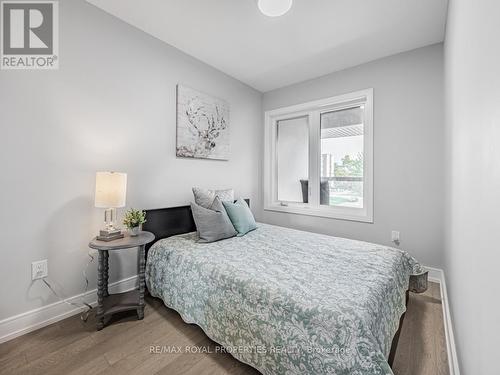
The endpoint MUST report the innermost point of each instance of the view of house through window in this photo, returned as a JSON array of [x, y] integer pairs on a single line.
[[342, 158]]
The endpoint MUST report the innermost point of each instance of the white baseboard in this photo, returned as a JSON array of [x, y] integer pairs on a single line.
[[21, 324], [437, 275]]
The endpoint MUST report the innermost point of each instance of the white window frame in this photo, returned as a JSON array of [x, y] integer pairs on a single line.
[[314, 110]]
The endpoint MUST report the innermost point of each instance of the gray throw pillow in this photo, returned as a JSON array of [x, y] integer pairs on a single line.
[[205, 197], [212, 224]]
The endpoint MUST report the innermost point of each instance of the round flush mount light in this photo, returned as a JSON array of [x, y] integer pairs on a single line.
[[274, 8]]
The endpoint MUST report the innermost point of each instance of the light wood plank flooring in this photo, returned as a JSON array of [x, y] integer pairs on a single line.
[[422, 344], [74, 347]]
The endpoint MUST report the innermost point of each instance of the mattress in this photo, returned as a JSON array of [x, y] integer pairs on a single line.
[[286, 301]]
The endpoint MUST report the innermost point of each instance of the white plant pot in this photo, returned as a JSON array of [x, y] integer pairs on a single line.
[[134, 231]]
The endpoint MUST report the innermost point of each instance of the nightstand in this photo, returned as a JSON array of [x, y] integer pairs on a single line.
[[108, 304]]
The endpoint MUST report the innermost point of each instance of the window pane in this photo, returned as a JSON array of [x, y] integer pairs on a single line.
[[342, 158], [293, 159]]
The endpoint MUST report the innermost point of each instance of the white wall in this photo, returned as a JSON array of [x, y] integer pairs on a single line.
[[110, 106], [408, 150], [472, 256]]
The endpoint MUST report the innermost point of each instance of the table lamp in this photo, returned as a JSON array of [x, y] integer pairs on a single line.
[[110, 193]]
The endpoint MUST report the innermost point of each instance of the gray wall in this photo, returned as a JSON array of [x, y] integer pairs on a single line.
[[472, 256], [110, 106], [408, 149]]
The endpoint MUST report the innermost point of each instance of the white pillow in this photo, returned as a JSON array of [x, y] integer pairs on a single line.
[[205, 197]]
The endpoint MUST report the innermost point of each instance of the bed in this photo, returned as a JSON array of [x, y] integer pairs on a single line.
[[284, 301]]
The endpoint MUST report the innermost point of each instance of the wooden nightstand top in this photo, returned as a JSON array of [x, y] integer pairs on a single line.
[[126, 242]]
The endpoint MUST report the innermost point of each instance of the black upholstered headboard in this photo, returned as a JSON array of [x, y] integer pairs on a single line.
[[166, 222]]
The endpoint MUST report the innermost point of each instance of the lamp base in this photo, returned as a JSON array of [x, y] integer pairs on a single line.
[[110, 220], [110, 232]]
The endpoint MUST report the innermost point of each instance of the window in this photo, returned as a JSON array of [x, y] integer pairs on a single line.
[[319, 158]]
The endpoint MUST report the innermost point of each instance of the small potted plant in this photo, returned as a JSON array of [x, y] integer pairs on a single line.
[[133, 220]]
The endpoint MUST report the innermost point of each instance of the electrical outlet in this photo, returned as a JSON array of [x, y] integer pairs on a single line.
[[39, 269], [395, 237]]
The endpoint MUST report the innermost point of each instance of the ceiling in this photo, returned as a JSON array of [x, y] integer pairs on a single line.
[[316, 37]]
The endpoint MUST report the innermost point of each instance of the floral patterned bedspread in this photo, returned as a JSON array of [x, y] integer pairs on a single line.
[[286, 301]]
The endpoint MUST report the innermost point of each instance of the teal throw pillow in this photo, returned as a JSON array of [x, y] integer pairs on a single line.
[[241, 216]]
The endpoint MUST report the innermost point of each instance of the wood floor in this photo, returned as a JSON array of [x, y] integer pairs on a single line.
[[422, 344], [124, 347]]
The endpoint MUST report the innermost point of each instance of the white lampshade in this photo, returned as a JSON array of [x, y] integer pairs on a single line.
[[110, 189], [274, 8]]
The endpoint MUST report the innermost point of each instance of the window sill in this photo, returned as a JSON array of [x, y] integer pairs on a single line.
[[327, 212]]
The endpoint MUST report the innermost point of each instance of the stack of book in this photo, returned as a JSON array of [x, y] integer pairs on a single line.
[[110, 235]]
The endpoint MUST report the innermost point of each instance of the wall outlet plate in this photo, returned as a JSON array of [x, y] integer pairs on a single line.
[[39, 269], [395, 237]]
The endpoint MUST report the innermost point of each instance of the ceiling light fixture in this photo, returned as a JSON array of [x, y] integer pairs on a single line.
[[274, 8]]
